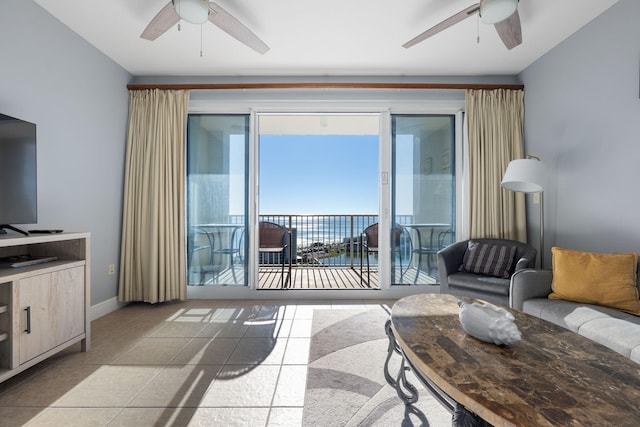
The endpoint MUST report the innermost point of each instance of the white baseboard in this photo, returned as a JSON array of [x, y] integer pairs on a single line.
[[105, 307]]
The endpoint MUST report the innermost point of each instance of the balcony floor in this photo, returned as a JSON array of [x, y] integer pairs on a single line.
[[332, 278], [316, 278]]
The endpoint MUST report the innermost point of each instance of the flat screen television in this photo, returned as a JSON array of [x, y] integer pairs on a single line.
[[18, 183]]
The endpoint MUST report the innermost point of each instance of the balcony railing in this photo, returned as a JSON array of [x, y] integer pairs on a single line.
[[218, 251], [324, 240], [330, 240]]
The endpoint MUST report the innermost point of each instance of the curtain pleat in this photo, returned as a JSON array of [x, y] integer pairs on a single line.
[[495, 122], [153, 253]]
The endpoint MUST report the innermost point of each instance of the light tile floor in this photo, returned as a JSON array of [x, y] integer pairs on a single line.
[[195, 363]]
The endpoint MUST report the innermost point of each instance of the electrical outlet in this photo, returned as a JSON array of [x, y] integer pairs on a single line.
[[112, 269]]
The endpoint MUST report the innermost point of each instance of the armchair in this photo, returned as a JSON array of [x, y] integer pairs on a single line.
[[489, 286]]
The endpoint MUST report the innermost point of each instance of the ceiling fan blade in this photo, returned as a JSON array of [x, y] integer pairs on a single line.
[[510, 30], [160, 23], [460, 16], [226, 22]]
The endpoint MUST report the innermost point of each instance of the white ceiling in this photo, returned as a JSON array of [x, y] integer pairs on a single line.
[[324, 37]]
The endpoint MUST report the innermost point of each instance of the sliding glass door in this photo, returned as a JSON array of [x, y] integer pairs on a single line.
[[217, 199], [405, 162], [422, 194]]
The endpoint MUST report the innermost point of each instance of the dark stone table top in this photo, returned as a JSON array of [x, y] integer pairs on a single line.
[[552, 377]]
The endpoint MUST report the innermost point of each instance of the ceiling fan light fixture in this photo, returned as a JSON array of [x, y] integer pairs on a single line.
[[494, 11], [193, 11]]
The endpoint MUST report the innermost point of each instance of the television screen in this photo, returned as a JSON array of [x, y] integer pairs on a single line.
[[18, 184]]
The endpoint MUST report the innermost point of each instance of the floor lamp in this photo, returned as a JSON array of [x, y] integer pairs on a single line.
[[527, 176]]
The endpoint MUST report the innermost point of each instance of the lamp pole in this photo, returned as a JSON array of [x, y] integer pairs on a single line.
[[527, 176], [541, 230]]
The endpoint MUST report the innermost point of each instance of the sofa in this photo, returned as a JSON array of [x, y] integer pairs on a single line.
[[613, 328], [490, 287]]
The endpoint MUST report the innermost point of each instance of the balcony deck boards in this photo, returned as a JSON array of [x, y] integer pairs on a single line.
[[317, 278], [329, 278]]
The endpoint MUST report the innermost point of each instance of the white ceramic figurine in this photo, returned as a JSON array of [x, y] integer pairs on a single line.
[[489, 323]]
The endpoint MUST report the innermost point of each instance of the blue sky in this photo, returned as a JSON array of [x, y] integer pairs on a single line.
[[318, 174]]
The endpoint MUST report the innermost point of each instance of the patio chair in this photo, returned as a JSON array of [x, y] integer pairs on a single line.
[[216, 248], [369, 244], [429, 239], [274, 239], [201, 259]]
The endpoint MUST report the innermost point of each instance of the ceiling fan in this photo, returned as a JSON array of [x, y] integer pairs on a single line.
[[503, 14], [198, 12]]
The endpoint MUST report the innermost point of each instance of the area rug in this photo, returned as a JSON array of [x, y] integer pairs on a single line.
[[345, 379]]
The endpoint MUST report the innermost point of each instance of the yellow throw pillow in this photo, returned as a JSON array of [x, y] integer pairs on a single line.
[[603, 279]]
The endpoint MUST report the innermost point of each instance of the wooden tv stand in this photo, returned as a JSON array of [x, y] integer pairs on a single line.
[[44, 308]]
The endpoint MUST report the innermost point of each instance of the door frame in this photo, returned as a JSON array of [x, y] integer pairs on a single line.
[[315, 102], [255, 173]]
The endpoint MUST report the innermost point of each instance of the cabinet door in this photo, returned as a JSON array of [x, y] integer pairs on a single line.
[[52, 307]]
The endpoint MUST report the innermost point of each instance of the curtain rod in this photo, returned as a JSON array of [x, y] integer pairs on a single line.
[[229, 86]]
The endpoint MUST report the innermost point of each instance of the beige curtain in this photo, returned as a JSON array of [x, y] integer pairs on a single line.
[[152, 254], [495, 120]]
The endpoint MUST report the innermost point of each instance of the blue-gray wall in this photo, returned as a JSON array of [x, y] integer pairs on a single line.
[[583, 118], [78, 99]]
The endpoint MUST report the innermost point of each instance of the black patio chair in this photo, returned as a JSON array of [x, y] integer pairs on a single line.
[[369, 245], [274, 239]]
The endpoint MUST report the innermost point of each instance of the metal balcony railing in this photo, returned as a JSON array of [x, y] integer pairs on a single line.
[[324, 240], [217, 252]]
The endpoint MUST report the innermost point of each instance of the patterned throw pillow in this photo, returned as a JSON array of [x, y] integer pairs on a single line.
[[488, 260]]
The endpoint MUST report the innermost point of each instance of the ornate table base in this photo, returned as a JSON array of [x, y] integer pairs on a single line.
[[408, 393]]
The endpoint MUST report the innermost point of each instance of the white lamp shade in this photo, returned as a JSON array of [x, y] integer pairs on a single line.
[[193, 11], [494, 11], [524, 176]]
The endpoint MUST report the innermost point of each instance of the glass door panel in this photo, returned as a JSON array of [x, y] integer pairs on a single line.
[[422, 194], [217, 203]]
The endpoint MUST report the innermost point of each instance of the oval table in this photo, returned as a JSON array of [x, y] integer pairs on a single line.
[[552, 377]]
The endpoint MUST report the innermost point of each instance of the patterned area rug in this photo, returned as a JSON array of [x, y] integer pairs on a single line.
[[345, 380]]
